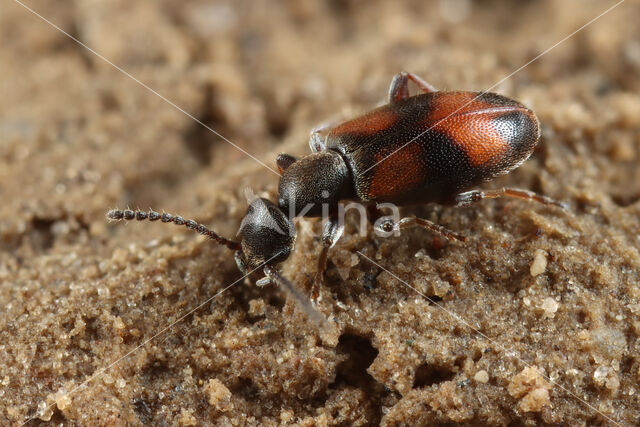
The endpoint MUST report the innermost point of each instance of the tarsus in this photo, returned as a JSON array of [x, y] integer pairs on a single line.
[[303, 301]]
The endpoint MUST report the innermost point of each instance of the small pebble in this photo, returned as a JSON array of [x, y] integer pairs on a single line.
[[118, 323], [550, 306], [44, 412], [535, 400], [481, 377], [612, 383], [218, 395], [600, 375], [63, 401], [539, 264], [286, 416]]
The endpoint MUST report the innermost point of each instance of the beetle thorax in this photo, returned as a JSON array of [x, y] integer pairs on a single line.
[[313, 185]]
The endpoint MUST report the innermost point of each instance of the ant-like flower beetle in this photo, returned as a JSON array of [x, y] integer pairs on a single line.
[[431, 147]]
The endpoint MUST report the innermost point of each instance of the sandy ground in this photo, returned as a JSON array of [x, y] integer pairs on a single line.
[[534, 320]]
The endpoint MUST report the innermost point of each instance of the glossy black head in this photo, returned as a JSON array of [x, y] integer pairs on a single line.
[[314, 180], [266, 234]]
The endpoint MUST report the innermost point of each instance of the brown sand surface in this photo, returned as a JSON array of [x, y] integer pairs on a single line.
[[535, 320]]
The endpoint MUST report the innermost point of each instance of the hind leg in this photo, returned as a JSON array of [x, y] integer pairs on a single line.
[[399, 88], [470, 197]]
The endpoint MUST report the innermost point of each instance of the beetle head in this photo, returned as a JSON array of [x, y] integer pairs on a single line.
[[266, 234]]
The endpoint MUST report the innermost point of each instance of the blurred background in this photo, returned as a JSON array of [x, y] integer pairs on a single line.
[[77, 135]]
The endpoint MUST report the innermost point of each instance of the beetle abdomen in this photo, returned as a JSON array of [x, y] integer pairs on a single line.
[[496, 133]]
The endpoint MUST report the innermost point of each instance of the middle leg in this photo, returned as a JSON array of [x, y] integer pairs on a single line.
[[470, 197], [317, 142], [331, 233], [388, 225]]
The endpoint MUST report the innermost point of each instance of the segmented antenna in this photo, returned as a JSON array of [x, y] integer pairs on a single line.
[[303, 301], [130, 215]]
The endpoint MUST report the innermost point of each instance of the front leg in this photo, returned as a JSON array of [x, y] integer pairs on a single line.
[[387, 225], [470, 197], [399, 88], [284, 161], [331, 233], [244, 269], [241, 263]]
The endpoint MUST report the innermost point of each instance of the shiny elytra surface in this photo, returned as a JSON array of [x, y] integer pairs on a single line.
[[433, 146]]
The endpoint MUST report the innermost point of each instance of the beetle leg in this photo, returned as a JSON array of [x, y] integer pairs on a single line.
[[284, 161], [421, 83], [275, 277], [240, 262], [331, 233], [323, 126], [242, 266], [387, 225], [265, 281], [399, 88], [316, 140], [470, 197]]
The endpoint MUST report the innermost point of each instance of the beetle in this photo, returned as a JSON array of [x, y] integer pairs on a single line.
[[431, 147]]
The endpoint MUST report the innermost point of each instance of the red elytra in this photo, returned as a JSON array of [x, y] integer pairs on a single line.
[[431, 147]]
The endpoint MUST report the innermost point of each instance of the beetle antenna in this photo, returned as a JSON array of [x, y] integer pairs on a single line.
[[303, 301], [130, 215]]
